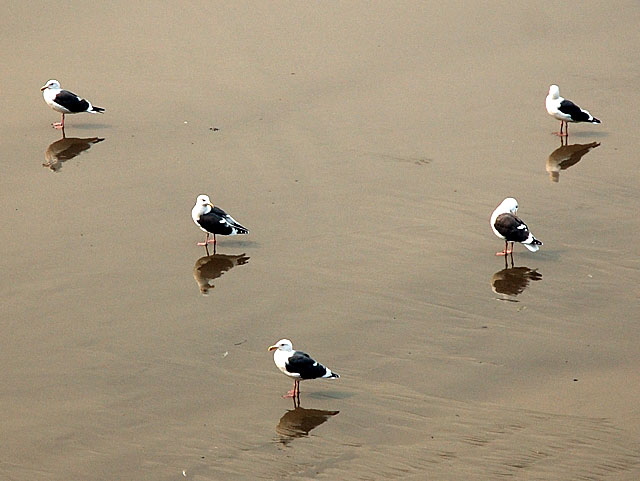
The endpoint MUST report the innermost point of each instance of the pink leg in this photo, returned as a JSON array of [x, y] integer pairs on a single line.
[[506, 250], [206, 241], [561, 133], [295, 391], [209, 241], [59, 125], [292, 392], [566, 129]]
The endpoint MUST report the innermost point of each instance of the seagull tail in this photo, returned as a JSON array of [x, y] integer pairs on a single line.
[[533, 245], [329, 374], [99, 110]]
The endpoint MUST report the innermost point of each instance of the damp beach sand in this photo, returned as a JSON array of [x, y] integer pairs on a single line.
[[365, 146]]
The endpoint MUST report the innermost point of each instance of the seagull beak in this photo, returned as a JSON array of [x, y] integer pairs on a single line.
[[42, 88], [272, 348]]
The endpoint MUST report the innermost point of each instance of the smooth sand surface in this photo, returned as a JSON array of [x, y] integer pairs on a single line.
[[365, 145]]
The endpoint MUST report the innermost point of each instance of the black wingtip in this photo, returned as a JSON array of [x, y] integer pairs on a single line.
[[595, 121], [100, 109]]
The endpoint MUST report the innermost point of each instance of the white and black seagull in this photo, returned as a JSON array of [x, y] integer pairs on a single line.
[[506, 225], [65, 102], [213, 220], [566, 111], [298, 365]]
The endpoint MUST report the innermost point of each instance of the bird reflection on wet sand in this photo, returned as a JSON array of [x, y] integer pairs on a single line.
[[66, 149], [211, 267], [565, 156], [512, 281], [299, 422]]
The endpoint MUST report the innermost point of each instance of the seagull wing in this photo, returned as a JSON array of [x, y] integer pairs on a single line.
[[512, 228], [229, 220], [567, 107], [301, 363], [71, 102]]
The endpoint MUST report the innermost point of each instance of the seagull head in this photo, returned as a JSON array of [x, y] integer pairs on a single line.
[[51, 84], [554, 91], [282, 345], [509, 205], [203, 206], [204, 201]]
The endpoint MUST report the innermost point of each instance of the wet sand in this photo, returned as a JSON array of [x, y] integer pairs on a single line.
[[365, 147]]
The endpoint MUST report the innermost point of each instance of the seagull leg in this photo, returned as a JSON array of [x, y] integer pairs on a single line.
[[510, 251], [206, 240], [292, 393], [505, 251], [212, 242], [566, 129], [561, 133], [59, 125]]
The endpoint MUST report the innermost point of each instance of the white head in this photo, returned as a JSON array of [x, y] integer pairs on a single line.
[[554, 91], [51, 84], [203, 200], [203, 206], [508, 205], [282, 345]]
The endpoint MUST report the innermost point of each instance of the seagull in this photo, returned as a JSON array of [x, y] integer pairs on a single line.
[[213, 220], [506, 225], [566, 111], [298, 365], [65, 102]]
